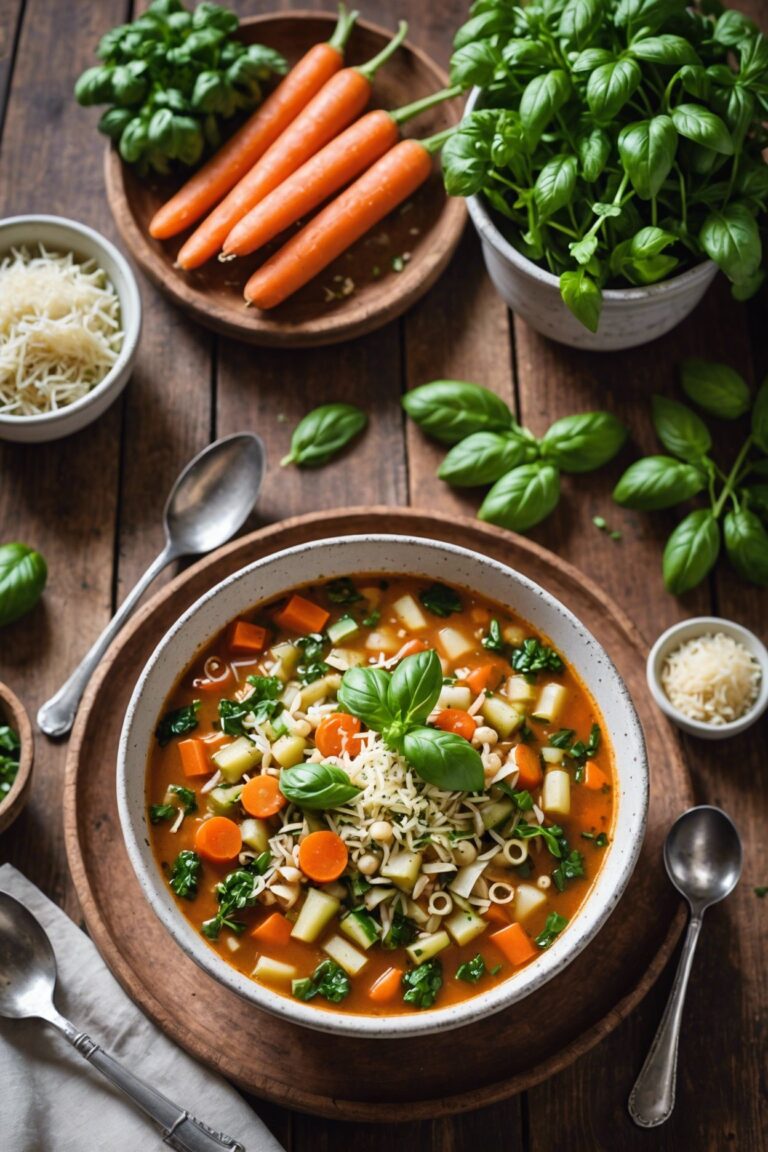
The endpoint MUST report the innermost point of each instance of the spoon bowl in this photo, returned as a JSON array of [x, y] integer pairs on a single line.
[[703, 856], [27, 962]]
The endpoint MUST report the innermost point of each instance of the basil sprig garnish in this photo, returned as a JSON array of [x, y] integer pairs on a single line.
[[397, 705], [317, 786]]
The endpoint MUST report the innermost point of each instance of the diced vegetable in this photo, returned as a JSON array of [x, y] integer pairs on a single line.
[[513, 634], [552, 755], [316, 913], [556, 794], [501, 715], [528, 900], [342, 629], [496, 812], [454, 696], [255, 834], [194, 758], [289, 750], [386, 986], [360, 927], [325, 686], [261, 796], [237, 758], [323, 856], [245, 638], [464, 925], [410, 614], [454, 644], [383, 641], [519, 690], [271, 971], [345, 955], [223, 801], [550, 703], [337, 733], [288, 656], [594, 777], [274, 930], [425, 947], [218, 840], [514, 943], [349, 656], [529, 772], [486, 677], [402, 869], [456, 720], [302, 616]]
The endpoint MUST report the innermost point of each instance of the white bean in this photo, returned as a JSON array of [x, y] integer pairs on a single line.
[[485, 735], [382, 832], [464, 852], [368, 864]]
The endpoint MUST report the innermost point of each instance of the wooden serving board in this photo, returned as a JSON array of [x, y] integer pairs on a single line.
[[341, 1076]]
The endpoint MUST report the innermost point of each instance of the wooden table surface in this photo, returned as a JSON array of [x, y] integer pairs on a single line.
[[92, 504]]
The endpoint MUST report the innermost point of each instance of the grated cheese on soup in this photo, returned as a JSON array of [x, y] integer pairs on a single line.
[[60, 331], [712, 678]]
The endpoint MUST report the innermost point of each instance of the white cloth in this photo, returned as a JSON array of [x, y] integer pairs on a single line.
[[52, 1100]]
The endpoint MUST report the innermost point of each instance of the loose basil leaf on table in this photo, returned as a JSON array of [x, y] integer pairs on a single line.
[[691, 551], [523, 497], [484, 457], [414, 687], [449, 410], [680, 430], [746, 543], [583, 442], [317, 786], [364, 693], [322, 433], [657, 482], [23, 573], [444, 759], [716, 388]]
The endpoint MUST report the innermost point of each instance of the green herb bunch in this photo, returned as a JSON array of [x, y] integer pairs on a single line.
[[172, 78], [736, 511], [620, 140], [490, 447]]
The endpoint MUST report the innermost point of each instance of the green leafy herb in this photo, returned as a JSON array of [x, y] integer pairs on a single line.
[[657, 482], [185, 874], [342, 591], [449, 410], [322, 433], [372, 619], [523, 497], [716, 388], [312, 666], [440, 600], [761, 891], [176, 722], [422, 984], [583, 443], [160, 812], [328, 980], [402, 932], [471, 971], [262, 704], [532, 657], [599, 839], [494, 641], [186, 796], [569, 868], [10, 750], [552, 929], [484, 457], [317, 786], [23, 573], [237, 891]]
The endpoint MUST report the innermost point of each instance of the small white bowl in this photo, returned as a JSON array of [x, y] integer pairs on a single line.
[[61, 235], [706, 626]]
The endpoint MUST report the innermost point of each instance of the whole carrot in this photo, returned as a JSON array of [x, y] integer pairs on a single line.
[[337, 104], [331, 168], [390, 181], [238, 155]]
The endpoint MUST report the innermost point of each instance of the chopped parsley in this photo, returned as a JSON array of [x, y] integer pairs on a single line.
[[328, 980], [402, 931], [569, 868], [422, 984], [238, 890], [552, 929], [10, 747], [263, 702], [494, 641], [177, 722], [599, 839], [342, 591], [159, 812], [532, 657], [186, 796], [440, 600], [372, 619], [312, 667], [473, 970], [578, 750], [185, 874]]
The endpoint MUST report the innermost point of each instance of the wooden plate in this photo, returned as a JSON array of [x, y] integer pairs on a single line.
[[13, 713], [426, 229], [342, 1076]]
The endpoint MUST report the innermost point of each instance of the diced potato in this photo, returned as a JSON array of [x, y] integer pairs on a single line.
[[455, 696], [289, 750], [288, 656], [527, 901], [464, 925], [316, 912], [345, 955], [384, 640], [550, 703], [402, 869], [255, 834], [519, 690], [513, 634], [410, 614], [501, 715], [416, 912], [428, 946], [556, 793], [350, 656], [289, 695], [236, 758], [552, 755], [454, 644], [271, 971], [318, 689]]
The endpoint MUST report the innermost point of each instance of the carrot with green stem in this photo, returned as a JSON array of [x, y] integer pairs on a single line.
[[341, 161], [375, 194], [216, 178], [336, 105]]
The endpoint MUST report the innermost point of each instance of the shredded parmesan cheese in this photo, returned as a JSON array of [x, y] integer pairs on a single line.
[[711, 678], [60, 331]]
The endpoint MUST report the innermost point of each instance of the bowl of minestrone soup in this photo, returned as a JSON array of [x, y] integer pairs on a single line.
[[381, 786]]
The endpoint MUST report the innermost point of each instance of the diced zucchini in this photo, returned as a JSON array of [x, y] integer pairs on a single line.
[[318, 689], [552, 755], [288, 656], [345, 955], [236, 758], [410, 614], [519, 690], [274, 971], [496, 813], [425, 947], [464, 925], [277, 726], [360, 927], [454, 644], [501, 715], [255, 834], [550, 703], [342, 629], [383, 641], [455, 696], [527, 901], [316, 912], [222, 801], [402, 869], [556, 793], [289, 750]]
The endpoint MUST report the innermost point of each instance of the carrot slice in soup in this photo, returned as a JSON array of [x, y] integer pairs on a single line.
[[458, 721], [274, 930], [262, 797], [529, 770], [323, 856], [594, 777], [245, 638], [218, 840], [338, 733], [485, 676], [300, 615], [194, 758], [386, 986], [515, 943]]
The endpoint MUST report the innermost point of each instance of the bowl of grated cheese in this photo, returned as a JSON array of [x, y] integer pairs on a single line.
[[710, 676], [70, 319]]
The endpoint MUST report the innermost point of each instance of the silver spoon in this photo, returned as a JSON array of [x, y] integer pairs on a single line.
[[27, 982], [209, 502], [702, 855]]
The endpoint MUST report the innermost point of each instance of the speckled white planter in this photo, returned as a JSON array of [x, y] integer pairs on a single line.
[[630, 316], [326, 559]]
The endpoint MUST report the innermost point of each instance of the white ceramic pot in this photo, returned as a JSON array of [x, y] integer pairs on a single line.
[[630, 316], [325, 559], [61, 235]]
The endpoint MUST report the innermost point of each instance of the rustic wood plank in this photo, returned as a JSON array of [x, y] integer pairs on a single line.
[[10, 28]]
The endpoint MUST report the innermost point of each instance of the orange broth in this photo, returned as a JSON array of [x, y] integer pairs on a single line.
[[380, 634]]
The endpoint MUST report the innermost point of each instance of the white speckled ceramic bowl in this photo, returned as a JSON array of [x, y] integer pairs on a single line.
[[630, 316], [59, 234], [325, 559]]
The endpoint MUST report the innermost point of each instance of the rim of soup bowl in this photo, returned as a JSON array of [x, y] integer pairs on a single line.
[[608, 886]]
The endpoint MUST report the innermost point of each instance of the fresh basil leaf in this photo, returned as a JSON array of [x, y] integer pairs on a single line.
[[592, 58], [593, 149], [757, 495], [753, 60], [160, 812], [494, 641], [363, 693], [483, 25], [648, 14], [691, 551], [322, 433], [415, 686], [746, 543], [647, 149], [657, 482], [475, 63], [532, 657], [583, 442], [317, 786], [555, 184], [737, 108], [523, 497], [542, 99], [665, 49], [186, 796], [732, 27], [23, 574], [680, 430], [449, 410], [176, 722], [466, 154], [444, 759], [583, 250], [441, 600], [94, 86], [760, 417], [703, 127], [716, 388], [639, 260], [525, 55], [485, 456], [579, 20], [582, 296], [610, 87]]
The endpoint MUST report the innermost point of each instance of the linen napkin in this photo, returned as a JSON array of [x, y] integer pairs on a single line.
[[52, 1100]]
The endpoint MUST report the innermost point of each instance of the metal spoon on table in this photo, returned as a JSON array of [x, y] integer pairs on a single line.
[[209, 502], [27, 982], [703, 856]]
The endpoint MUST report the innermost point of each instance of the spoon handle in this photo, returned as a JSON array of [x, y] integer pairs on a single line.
[[181, 1130], [57, 715], [652, 1099]]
